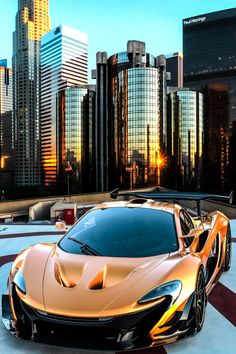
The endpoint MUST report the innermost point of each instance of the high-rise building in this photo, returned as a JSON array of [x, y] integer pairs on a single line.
[[32, 21], [185, 139], [131, 117], [64, 63], [209, 47], [76, 140], [174, 65], [6, 152], [101, 123]]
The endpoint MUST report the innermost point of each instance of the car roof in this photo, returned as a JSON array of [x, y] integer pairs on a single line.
[[141, 203]]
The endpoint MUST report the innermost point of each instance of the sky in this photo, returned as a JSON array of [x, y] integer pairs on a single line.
[[110, 24]]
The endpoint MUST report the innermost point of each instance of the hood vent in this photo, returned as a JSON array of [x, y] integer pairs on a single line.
[[111, 275], [61, 278], [99, 281]]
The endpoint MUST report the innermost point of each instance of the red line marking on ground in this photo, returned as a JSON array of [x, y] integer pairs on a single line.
[[157, 350], [224, 300], [29, 234]]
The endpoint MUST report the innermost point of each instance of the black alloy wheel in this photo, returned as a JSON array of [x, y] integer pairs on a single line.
[[228, 250]]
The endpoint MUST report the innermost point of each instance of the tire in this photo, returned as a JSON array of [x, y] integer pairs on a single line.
[[199, 301], [228, 250]]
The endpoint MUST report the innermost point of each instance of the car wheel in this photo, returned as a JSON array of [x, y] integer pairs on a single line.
[[228, 250], [200, 301]]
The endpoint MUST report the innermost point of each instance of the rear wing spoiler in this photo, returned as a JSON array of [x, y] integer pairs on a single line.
[[188, 196]]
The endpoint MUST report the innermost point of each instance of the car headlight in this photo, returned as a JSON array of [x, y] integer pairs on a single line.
[[172, 289], [19, 281]]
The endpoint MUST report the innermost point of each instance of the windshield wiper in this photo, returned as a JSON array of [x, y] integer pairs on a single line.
[[85, 248]]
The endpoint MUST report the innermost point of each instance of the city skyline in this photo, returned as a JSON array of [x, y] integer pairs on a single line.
[[140, 21], [125, 134]]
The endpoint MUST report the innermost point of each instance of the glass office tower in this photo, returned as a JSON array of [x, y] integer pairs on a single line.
[[174, 65], [135, 122], [64, 63], [185, 139], [209, 46], [6, 151], [76, 140], [32, 21]]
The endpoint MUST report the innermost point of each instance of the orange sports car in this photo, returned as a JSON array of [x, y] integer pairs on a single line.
[[129, 274]]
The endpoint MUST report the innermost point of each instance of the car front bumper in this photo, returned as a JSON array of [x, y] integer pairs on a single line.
[[120, 333]]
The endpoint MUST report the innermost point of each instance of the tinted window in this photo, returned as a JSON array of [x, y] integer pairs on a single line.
[[186, 226], [185, 222], [124, 232]]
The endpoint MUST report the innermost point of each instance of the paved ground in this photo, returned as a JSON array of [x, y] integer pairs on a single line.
[[218, 335]]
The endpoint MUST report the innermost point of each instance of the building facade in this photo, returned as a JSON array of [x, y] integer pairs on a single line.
[[103, 140], [174, 65], [32, 21], [6, 143], [64, 63], [209, 44], [76, 162], [185, 139], [133, 126]]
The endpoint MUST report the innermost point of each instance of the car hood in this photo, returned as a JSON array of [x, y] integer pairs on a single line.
[[87, 286], [76, 285]]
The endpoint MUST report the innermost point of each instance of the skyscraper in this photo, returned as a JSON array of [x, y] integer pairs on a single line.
[[185, 139], [131, 117], [32, 21], [209, 45], [101, 122], [6, 152], [174, 65], [76, 140], [64, 63]]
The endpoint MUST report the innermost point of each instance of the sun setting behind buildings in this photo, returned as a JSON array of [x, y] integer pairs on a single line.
[[141, 106]]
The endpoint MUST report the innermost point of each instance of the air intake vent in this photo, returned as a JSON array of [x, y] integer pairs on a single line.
[[61, 279], [98, 282], [111, 275]]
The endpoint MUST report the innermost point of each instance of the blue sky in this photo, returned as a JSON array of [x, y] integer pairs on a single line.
[[110, 24]]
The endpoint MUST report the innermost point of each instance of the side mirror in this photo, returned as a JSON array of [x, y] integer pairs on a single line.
[[61, 225], [194, 233]]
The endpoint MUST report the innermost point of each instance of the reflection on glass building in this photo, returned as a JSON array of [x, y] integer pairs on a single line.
[[174, 65], [217, 134], [185, 139], [64, 63], [32, 21], [76, 139], [135, 82], [6, 151], [209, 46]]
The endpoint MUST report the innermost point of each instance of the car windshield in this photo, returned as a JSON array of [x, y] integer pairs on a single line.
[[123, 232]]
